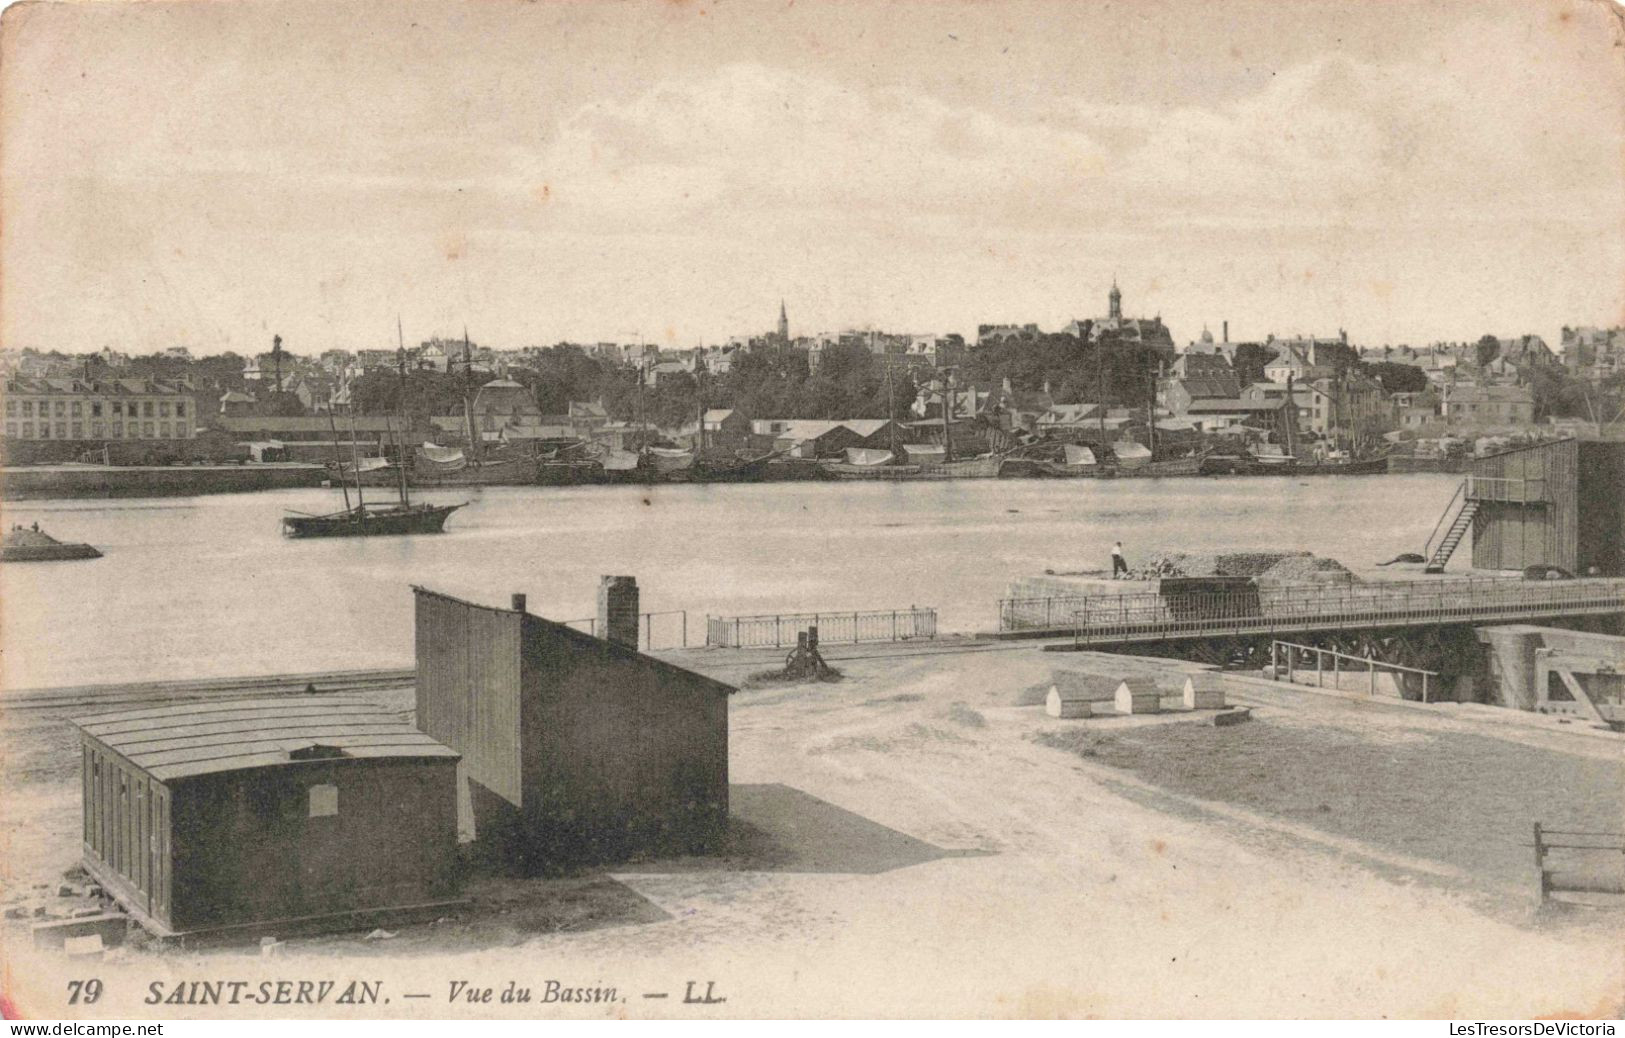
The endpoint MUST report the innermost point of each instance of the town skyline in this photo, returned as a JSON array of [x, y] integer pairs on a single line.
[[671, 174], [1217, 331]]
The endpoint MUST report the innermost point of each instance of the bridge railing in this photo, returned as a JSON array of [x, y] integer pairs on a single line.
[[1103, 618]]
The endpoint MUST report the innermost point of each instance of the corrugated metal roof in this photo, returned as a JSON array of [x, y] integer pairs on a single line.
[[201, 738]]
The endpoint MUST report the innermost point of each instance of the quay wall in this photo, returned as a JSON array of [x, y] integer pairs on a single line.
[[80, 481], [1405, 463]]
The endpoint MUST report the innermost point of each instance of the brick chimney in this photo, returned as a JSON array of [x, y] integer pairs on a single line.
[[618, 610]]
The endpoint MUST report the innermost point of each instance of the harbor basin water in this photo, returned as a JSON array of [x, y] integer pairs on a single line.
[[207, 586]]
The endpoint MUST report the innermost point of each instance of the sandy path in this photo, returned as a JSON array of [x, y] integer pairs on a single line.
[[1009, 878]]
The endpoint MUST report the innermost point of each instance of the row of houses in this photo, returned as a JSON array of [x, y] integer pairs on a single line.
[[43, 409]]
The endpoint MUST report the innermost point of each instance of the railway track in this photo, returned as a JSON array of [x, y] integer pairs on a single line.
[[255, 687], [717, 661]]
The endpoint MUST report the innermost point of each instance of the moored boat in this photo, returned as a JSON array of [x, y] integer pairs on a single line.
[[365, 521], [1345, 467], [1173, 467], [359, 520], [926, 453], [868, 457], [1131, 454], [669, 460]]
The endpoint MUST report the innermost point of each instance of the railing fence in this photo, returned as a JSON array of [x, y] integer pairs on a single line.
[[1291, 652], [1575, 880], [834, 627], [666, 629], [1265, 608]]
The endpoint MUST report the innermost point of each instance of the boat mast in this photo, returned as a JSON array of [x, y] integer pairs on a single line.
[[947, 419], [1151, 420], [1100, 386], [1289, 420], [338, 458], [891, 410], [400, 441], [468, 408], [355, 459]]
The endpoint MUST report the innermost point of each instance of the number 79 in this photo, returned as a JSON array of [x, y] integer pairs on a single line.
[[86, 991]]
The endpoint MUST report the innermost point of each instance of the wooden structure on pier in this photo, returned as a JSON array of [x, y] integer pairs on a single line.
[[1556, 504], [298, 813], [576, 749]]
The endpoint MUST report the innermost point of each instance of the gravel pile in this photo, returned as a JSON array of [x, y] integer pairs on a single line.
[[1276, 567], [1304, 569]]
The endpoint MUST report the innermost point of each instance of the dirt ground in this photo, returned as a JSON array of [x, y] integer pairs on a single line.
[[912, 841]]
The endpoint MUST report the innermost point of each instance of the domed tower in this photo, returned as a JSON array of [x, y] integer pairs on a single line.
[[1114, 302]]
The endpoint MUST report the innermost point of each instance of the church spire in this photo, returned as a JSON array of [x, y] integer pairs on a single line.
[[784, 323]]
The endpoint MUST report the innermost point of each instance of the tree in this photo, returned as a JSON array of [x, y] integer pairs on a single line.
[[1487, 349], [1249, 361], [1397, 378]]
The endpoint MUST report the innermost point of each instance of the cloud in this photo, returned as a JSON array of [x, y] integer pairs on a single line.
[[1332, 141]]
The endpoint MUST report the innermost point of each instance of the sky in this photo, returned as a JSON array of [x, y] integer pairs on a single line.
[[210, 174]]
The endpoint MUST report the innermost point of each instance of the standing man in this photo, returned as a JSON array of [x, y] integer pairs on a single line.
[[1118, 565]]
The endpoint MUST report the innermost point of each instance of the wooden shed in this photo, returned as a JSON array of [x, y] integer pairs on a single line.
[[313, 812], [575, 748], [1550, 504]]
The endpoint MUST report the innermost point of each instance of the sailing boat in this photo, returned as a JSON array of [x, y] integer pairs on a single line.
[[362, 521]]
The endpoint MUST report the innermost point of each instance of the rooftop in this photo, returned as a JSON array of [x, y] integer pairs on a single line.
[[205, 738]]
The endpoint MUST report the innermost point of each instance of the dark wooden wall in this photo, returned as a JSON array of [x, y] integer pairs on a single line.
[[623, 753], [468, 687], [1601, 507], [246, 848], [126, 830]]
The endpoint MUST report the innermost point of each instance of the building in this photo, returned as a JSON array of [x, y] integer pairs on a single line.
[[241, 815], [1527, 352], [997, 334], [874, 432], [804, 437], [505, 410], [1176, 394], [725, 428], [1555, 504], [575, 748], [438, 355], [97, 410], [1469, 404], [323, 439], [1273, 415], [1313, 404], [1147, 330], [235, 404], [1300, 363], [1594, 354]]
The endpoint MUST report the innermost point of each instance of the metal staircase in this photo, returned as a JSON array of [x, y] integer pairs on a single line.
[[1454, 523]]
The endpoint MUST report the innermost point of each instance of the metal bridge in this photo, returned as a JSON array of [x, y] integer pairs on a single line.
[[1420, 623]]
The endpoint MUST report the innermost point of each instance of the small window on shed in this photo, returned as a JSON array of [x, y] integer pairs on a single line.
[[324, 801]]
